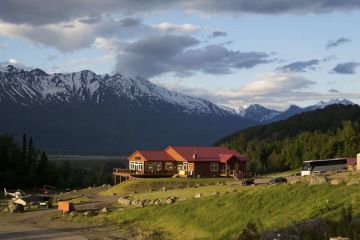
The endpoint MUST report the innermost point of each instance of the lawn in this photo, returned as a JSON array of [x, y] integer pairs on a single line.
[[155, 184], [186, 193], [225, 215]]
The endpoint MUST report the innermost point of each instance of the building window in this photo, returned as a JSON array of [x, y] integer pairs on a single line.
[[132, 166], [136, 166], [137, 158], [185, 164], [148, 166], [214, 167], [157, 166], [179, 167], [139, 166], [169, 166]]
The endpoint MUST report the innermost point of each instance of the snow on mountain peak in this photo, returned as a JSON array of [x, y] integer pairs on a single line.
[[323, 104], [36, 86], [258, 113], [262, 114]]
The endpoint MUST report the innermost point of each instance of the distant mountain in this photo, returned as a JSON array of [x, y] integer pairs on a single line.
[[84, 112], [323, 104], [261, 114]]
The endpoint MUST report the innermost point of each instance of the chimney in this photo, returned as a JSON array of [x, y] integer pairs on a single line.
[[195, 156], [358, 161]]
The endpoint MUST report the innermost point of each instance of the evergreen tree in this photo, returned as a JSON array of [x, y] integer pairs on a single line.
[[42, 170]]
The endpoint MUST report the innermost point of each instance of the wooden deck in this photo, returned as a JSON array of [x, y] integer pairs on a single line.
[[127, 174], [232, 173], [121, 174]]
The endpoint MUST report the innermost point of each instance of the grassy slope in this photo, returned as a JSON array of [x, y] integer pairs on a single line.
[[187, 193], [220, 217], [144, 185]]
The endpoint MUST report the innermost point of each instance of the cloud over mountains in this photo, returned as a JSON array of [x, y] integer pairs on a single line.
[[337, 42], [156, 37], [40, 12], [346, 68], [156, 55], [300, 66]]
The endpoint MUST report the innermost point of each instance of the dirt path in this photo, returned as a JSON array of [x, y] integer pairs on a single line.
[[41, 225], [96, 202], [24, 231]]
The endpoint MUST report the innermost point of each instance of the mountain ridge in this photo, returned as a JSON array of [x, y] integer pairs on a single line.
[[263, 114], [107, 114], [38, 87]]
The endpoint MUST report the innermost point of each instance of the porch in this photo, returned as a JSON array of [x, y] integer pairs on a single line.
[[121, 174], [231, 173]]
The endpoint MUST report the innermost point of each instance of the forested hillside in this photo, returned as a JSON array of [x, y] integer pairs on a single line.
[[27, 167], [328, 133]]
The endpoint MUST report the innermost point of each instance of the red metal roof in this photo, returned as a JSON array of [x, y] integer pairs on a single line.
[[204, 153], [156, 155]]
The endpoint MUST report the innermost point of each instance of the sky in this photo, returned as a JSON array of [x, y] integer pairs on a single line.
[[231, 52]]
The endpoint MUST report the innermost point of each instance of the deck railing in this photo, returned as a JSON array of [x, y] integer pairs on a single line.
[[232, 173], [121, 170], [228, 173], [142, 172]]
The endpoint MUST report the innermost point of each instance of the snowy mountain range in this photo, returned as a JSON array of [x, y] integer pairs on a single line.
[[261, 114], [84, 112], [38, 87]]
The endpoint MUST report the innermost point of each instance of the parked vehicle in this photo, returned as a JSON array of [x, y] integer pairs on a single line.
[[248, 181], [277, 180]]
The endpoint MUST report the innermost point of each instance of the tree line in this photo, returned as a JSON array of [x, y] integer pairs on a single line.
[[323, 134], [25, 166], [270, 155]]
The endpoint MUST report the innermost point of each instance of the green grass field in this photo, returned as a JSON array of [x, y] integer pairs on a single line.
[[155, 184], [187, 193], [225, 215]]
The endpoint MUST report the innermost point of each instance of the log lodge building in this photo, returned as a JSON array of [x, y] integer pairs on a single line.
[[184, 161]]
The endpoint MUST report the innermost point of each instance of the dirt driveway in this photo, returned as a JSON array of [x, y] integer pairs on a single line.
[[41, 225], [27, 231]]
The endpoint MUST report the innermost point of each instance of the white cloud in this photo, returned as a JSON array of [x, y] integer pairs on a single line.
[[40, 12], [15, 63], [183, 55], [272, 83], [63, 38], [78, 34], [273, 89], [176, 28], [79, 64], [110, 44]]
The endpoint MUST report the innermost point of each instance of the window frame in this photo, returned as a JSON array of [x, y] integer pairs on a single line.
[[158, 166], [132, 165], [167, 164], [148, 166], [214, 167]]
